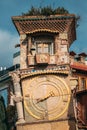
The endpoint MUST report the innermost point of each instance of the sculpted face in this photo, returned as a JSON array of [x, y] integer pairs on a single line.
[[46, 97]]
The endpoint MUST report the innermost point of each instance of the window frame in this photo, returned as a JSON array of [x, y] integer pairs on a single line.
[[45, 44]]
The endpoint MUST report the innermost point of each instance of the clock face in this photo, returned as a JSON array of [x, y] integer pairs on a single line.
[[46, 97]]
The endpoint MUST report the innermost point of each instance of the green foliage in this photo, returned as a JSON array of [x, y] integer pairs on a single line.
[[33, 11], [46, 11], [3, 119], [10, 112], [11, 116], [61, 11]]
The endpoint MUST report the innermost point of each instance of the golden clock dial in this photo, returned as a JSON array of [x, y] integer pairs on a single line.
[[46, 97]]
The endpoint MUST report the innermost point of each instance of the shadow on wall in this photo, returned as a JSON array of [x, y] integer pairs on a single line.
[[71, 114]]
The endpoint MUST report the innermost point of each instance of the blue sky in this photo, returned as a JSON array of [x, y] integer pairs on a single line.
[[9, 36]]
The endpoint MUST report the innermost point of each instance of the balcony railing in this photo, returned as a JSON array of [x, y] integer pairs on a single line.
[[50, 59], [42, 59]]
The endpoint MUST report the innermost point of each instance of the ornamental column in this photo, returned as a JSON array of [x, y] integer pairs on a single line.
[[17, 97]]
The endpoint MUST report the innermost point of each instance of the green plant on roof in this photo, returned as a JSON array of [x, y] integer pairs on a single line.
[[46, 11]]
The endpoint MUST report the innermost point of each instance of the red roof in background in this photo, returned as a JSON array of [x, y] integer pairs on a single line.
[[79, 66], [72, 53], [83, 54]]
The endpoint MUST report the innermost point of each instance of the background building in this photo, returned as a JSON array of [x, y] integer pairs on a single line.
[[7, 110], [79, 70]]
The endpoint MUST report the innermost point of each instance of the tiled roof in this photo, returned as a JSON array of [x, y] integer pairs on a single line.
[[79, 66], [83, 54], [54, 24]]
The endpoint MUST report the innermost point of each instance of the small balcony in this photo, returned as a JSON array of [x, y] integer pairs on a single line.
[[42, 58]]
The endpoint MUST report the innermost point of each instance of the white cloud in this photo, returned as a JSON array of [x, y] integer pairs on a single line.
[[7, 42]]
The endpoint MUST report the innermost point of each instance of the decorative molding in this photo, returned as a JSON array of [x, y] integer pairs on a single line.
[[26, 73], [15, 76]]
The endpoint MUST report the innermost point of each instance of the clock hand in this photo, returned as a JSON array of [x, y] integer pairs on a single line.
[[51, 94]]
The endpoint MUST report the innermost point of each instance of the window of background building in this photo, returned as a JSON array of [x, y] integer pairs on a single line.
[[83, 83]]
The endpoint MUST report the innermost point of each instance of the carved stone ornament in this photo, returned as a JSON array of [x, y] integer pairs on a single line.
[[15, 76]]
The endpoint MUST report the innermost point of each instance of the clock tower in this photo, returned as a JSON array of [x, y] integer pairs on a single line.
[[42, 87]]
